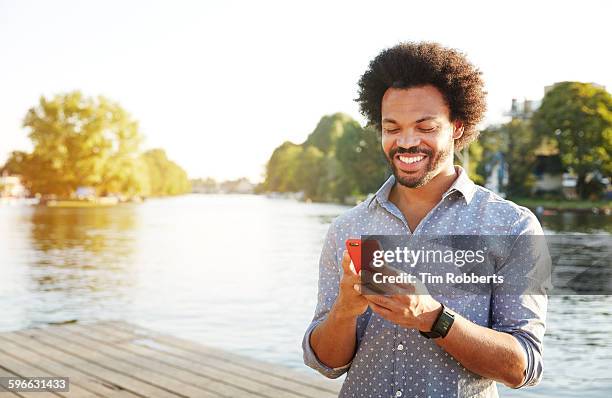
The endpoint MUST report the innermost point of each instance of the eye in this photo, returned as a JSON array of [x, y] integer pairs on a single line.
[[391, 131], [427, 130]]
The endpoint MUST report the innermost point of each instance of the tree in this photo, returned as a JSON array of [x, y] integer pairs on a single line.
[[476, 153], [517, 142], [579, 117], [329, 129], [37, 175], [281, 168], [15, 163], [519, 150], [310, 170], [81, 141], [339, 158], [164, 176], [360, 154]]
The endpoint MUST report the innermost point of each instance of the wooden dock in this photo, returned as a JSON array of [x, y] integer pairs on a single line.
[[117, 359]]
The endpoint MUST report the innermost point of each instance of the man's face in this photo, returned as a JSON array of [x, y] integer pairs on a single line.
[[417, 134]]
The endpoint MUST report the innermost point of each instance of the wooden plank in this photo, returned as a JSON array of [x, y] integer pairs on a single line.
[[9, 348], [5, 393], [211, 361], [11, 342], [187, 346], [121, 360], [23, 369], [127, 381], [200, 364], [156, 363], [120, 363]]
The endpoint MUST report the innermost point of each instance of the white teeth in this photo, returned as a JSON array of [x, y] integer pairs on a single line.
[[409, 160]]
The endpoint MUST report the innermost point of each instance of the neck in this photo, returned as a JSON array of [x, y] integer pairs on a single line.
[[429, 193]]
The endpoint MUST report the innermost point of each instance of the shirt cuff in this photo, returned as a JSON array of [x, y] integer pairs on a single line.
[[311, 360], [528, 359]]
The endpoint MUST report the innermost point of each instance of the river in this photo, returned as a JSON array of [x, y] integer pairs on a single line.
[[237, 272]]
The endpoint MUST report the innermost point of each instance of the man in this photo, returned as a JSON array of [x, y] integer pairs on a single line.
[[426, 100]]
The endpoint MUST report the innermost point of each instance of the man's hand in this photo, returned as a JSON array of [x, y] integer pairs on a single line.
[[334, 341], [350, 303], [410, 310]]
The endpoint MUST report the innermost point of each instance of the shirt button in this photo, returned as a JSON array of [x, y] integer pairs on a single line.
[[399, 348], [398, 393]]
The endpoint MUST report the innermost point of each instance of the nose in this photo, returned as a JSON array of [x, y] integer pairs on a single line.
[[408, 138]]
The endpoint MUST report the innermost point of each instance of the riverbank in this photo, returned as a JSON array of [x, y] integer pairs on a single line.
[[575, 205], [597, 206]]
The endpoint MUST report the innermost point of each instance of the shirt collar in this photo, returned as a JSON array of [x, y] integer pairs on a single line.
[[382, 195], [462, 184]]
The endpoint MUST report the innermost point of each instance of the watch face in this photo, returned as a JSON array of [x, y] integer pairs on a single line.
[[443, 323], [441, 326]]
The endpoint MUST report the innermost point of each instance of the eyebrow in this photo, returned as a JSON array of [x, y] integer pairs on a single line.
[[423, 119]]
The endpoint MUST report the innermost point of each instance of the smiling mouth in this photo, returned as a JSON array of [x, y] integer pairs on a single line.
[[411, 159]]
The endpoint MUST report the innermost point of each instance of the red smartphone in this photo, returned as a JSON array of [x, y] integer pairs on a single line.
[[354, 250], [362, 250]]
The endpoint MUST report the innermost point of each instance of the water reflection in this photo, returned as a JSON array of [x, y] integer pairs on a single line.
[[77, 262], [577, 222], [88, 230]]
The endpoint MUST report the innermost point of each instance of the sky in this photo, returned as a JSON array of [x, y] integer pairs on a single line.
[[220, 84]]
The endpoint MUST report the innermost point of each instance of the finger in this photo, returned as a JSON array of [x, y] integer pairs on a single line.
[[420, 288], [350, 279], [382, 301], [382, 311], [399, 289], [353, 270], [404, 288], [346, 263], [402, 298]]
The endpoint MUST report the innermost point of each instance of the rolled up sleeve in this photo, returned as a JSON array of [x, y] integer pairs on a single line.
[[329, 278], [311, 360], [519, 304]]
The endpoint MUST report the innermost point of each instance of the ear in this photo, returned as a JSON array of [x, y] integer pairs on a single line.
[[457, 129]]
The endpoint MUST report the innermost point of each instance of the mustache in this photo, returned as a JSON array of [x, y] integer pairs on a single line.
[[413, 150]]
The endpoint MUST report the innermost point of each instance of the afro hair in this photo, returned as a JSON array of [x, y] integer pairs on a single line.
[[408, 65]]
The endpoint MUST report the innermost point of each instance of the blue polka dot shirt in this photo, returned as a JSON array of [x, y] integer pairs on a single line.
[[393, 361]]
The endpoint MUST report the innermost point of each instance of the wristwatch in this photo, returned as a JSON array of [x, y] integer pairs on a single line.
[[442, 324]]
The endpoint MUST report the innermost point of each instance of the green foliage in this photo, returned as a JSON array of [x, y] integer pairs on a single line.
[[310, 170], [15, 163], [89, 142], [520, 145], [341, 159], [360, 155], [579, 117], [78, 140], [281, 168], [476, 152], [338, 159], [164, 176], [517, 141], [491, 141], [329, 129], [204, 184]]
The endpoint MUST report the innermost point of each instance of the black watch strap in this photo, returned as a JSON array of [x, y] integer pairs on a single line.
[[442, 324]]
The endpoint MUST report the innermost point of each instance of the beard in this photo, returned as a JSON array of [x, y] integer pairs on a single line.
[[434, 161]]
